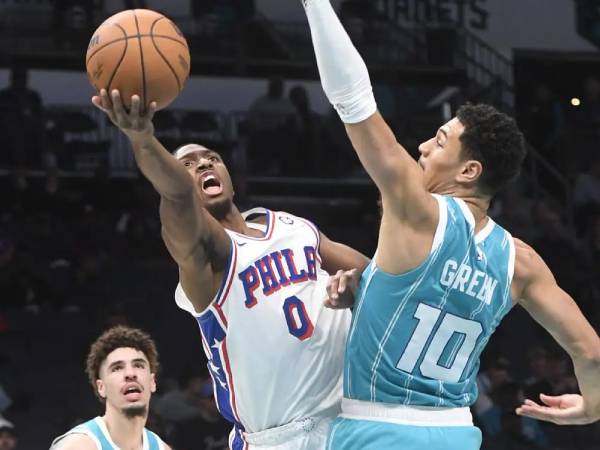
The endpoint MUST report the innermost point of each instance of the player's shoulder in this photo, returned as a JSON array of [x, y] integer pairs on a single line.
[[75, 441], [528, 262]]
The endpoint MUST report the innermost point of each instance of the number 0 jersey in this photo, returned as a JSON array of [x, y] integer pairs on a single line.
[[416, 338], [275, 353]]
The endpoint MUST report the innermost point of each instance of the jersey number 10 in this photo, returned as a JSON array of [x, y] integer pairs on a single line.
[[432, 336]]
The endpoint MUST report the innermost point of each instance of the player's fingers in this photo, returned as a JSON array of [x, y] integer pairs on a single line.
[[551, 400], [134, 110], [118, 104], [105, 100], [342, 284], [151, 110], [332, 285]]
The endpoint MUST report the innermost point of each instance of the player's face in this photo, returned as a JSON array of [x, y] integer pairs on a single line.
[[210, 174], [441, 158], [126, 381]]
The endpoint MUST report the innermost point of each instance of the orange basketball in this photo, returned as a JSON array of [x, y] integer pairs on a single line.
[[141, 52]]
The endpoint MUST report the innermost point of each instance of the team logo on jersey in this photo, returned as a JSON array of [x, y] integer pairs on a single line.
[[286, 219]]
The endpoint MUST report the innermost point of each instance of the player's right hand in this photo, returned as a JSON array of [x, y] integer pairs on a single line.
[[567, 409], [135, 123], [341, 289]]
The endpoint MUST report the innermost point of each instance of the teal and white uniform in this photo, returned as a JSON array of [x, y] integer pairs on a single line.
[[96, 430], [413, 349]]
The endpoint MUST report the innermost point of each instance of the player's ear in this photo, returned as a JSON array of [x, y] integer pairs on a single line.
[[470, 172], [153, 383], [101, 388]]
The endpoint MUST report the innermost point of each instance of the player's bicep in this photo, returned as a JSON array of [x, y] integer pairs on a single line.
[[557, 312], [336, 256], [394, 171]]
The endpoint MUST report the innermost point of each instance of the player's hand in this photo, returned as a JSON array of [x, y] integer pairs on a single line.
[[135, 123], [567, 409], [341, 289]]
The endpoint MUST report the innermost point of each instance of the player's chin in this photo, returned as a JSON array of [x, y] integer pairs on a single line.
[[137, 409]]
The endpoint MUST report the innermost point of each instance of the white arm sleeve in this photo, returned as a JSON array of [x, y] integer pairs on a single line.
[[344, 75]]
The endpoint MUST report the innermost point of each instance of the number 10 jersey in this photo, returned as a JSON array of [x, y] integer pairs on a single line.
[[275, 353], [416, 338]]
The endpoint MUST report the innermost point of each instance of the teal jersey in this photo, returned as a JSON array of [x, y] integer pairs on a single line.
[[416, 338], [96, 430]]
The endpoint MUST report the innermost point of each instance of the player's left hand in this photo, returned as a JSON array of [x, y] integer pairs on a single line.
[[567, 409], [341, 289]]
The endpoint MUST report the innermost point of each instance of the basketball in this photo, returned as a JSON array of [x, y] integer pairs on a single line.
[[139, 51]]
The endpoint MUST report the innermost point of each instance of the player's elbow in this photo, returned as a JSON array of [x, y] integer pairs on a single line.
[[588, 353]]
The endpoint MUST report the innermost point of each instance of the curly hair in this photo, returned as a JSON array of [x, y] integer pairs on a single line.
[[492, 138], [119, 337]]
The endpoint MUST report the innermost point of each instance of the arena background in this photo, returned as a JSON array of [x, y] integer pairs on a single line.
[[80, 246]]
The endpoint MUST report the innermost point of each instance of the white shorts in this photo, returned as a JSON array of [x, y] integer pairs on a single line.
[[310, 433]]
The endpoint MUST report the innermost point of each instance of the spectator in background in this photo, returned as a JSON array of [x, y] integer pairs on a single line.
[[588, 114], [586, 193], [308, 142], [536, 382], [8, 435], [21, 124], [487, 410], [557, 245], [274, 127], [191, 414], [544, 120]]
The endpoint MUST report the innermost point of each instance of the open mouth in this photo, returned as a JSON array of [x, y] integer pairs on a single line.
[[211, 185], [132, 393]]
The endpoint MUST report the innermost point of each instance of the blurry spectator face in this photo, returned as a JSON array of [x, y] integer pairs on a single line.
[[8, 440], [592, 88], [538, 365], [547, 215]]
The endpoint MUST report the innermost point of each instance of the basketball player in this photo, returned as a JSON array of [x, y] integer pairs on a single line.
[[121, 367], [256, 290], [444, 274]]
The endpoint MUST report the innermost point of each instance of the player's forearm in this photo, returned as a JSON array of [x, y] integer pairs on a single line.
[[168, 176], [344, 75]]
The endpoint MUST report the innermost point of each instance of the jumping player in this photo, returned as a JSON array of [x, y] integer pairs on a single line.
[[444, 274], [121, 366], [255, 288]]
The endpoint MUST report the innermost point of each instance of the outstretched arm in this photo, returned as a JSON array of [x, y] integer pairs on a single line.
[[196, 241], [558, 313], [346, 83], [406, 203]]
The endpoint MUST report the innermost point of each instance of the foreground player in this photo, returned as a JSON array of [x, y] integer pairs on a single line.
[[121, 367], [256, 289], [444, 274]]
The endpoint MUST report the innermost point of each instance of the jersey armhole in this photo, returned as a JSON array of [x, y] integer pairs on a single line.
[[182, 300], [440, 231]]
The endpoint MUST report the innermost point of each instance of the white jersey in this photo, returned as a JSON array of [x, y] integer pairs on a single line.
[[275, 353]]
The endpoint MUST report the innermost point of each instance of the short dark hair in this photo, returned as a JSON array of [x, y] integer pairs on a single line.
[[119, 337], [492, 138]]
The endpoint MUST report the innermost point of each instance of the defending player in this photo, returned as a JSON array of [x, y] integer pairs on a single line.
[[444, 274], [121, 366], [256, 289]]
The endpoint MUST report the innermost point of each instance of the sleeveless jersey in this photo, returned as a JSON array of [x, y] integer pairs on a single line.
[[97, 431], [274, 351], [416, 338]]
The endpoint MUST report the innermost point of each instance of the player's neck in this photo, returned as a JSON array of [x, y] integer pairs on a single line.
[[478, 205], [234, 221], [125, 432]]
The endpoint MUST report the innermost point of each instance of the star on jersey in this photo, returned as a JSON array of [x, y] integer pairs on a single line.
[[213, 367]]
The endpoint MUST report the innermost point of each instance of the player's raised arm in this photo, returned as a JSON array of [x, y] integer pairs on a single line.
[[196, 241], [346, 83], [556, 311]]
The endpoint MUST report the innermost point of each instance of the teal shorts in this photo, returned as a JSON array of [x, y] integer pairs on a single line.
[[352, 434]]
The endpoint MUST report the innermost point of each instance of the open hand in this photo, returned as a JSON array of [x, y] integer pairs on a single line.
[[567, 409], [135, 123], [341, 289]]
